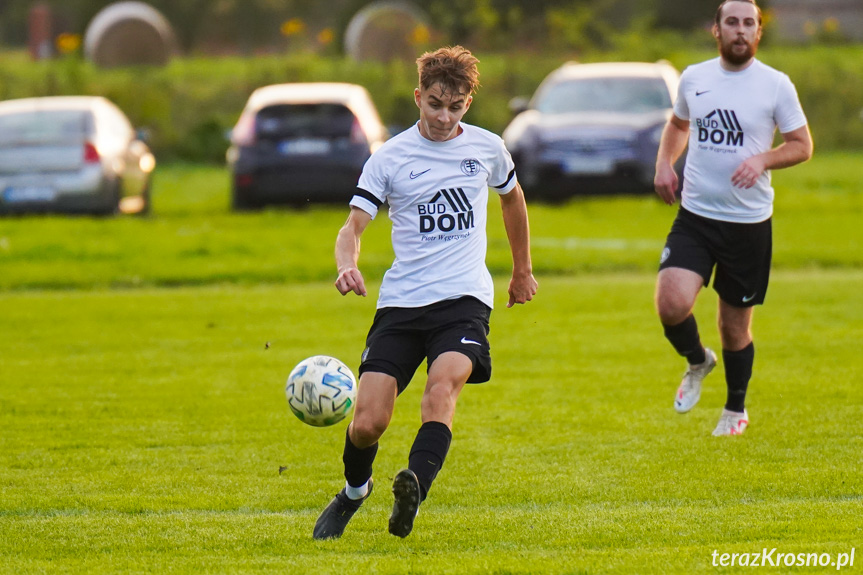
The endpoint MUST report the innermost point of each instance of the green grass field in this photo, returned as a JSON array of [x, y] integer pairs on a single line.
[[144, 422]]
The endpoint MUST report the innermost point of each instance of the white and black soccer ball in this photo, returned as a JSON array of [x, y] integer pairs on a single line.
[[321, 390]]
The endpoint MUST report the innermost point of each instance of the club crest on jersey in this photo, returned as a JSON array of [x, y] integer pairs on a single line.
[[470, 167], [448, 211]]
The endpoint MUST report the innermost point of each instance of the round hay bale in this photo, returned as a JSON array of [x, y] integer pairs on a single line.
[[386, 30], [129, 34]]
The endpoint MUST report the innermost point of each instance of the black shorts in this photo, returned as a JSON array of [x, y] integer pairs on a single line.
[[400, 338], [740, 253]]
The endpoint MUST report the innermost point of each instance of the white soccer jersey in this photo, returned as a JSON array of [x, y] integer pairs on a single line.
[[733, 116], [438, 197]]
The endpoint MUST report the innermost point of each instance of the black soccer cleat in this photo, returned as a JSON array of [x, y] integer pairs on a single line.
[[332, 522], [406, 490]]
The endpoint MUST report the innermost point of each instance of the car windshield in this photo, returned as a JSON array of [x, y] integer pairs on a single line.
[[43, 126], [304, 121], [633, 95]]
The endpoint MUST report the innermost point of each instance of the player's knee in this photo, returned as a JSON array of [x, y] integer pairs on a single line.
[[367, 430], [672, 312], [440, 396]]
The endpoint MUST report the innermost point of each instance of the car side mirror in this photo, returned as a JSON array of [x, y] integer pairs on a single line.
[[519, 104]]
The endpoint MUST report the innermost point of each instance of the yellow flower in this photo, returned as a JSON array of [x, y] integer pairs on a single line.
[[293, 27], [326, 36], [831, 25], [67, 43], [420, 35]]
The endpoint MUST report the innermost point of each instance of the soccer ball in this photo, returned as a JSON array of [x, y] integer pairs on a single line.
[[321, 390]]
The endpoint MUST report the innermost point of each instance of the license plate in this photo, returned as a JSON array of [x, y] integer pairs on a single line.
[[22, 194], [305, 147], [588, 166]]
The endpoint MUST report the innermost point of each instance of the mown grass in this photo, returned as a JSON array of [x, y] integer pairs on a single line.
[[192, 238], [143, 431]]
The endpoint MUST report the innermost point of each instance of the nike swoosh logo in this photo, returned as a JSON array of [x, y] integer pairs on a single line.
[[697, 93], [747, 299], [415, 176], [466, 340]]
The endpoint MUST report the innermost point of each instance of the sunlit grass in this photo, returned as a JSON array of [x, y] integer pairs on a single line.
[[143, 430], [192, 238]]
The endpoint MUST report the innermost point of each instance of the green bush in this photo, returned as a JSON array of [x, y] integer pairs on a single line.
[[189, 105]]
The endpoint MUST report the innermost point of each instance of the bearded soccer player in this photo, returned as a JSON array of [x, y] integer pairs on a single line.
[[727, 110], [436, 299]]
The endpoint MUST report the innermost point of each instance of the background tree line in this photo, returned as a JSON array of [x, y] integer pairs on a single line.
[[252, 25]]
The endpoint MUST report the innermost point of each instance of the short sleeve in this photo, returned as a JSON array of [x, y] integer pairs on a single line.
[[788, 114], [502, 175], [372, 187], [681, 106]]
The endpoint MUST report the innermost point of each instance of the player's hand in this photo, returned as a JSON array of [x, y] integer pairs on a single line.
[[665, 183], [748, 172], [351, 280], [522, 288]]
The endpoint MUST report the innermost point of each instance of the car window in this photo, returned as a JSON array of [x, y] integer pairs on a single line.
[[43, 126], [604, 95], [304, 120]]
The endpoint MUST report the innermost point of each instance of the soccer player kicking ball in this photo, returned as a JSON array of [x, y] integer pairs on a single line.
[[436, 299], [728, 109]]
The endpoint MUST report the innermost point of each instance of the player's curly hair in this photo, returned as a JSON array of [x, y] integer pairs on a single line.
[[718, 17], [453, 67]]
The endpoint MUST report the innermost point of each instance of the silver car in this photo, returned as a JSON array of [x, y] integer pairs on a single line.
[[75, 154], [592, 128], [302, 143]]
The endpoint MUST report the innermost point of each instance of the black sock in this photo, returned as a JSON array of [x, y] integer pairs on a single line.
[[738, 371], [358, 462], [686, 341], [428, 453]]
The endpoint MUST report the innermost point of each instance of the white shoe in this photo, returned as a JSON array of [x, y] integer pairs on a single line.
[[732, 423], [689, 391]]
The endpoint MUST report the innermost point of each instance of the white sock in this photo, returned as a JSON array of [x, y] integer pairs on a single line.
[[356, 492]]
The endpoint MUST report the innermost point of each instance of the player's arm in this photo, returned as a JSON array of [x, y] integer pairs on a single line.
[[348, 253], [675, 136], [522, 286], [795, 149]]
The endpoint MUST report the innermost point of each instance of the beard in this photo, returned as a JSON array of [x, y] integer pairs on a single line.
[[730, 51]]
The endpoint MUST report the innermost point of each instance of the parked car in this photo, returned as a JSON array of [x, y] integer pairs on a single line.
[[592, 128], [303, 142], [71, 154]]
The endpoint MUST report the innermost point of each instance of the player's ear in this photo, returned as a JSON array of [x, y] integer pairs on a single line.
[[715, 31], [417, 97]]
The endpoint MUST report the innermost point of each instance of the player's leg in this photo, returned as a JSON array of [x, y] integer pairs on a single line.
[[375, 403], [447, 376], [738, 355], [390, 359], [685, 267], [742, 278], [676, 291]]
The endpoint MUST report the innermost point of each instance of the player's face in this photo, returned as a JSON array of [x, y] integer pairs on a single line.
[[440, 112], [738, 33]]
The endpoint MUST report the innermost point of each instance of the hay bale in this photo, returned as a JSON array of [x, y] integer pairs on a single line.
[[129, 34], [386, 30]]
